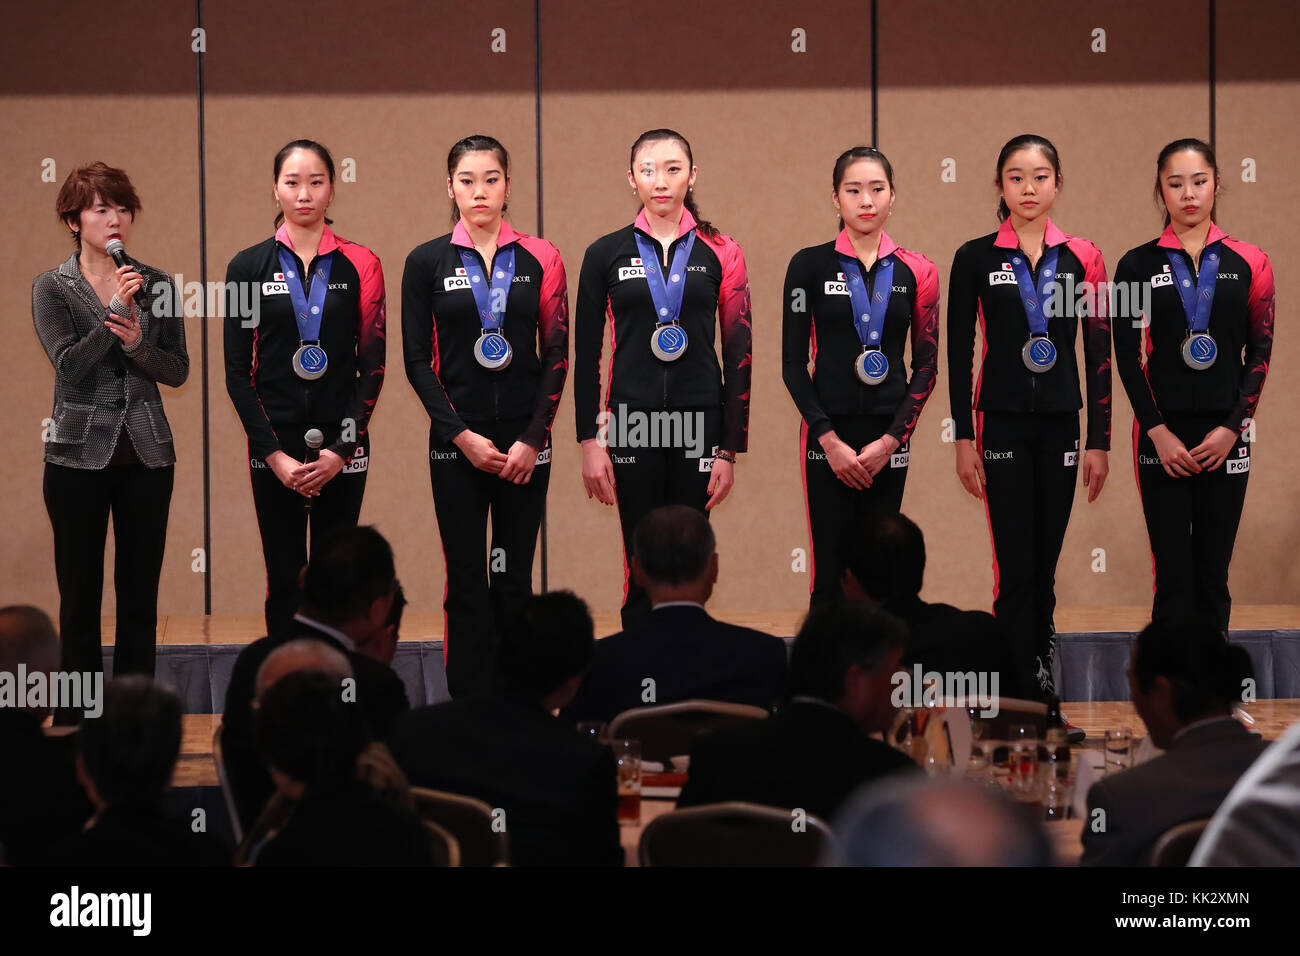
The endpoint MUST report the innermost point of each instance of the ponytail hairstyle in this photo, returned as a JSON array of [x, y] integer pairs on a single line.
[[655, 135], [1024, 141], [1206, 152], [477, 143], [283, 154], [1206, 672], [851, 156]]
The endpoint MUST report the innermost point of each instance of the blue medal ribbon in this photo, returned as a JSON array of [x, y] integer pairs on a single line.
[[1197, 298], [1033, 298], [503, 273], [666, 291], [869, 309], [307, 310]]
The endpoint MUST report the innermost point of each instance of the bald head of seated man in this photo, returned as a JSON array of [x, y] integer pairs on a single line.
[[375, 765], [918, 821], [303, 654]]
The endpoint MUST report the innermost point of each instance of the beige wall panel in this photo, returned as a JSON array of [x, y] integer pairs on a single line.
[[765, 125], [406, 81], [74, 101], [1258, 101], [952, 92]]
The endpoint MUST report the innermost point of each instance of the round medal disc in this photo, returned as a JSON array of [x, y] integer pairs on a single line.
[[1200, 351], [1039, 354], [493, 351], [310, 361], [871, 367], [668, 342]]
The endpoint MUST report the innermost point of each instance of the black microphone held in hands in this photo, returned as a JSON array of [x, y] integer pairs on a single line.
[[313, 439], [117, 250]]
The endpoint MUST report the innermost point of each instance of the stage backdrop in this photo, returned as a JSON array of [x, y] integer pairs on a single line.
[[768, 93]]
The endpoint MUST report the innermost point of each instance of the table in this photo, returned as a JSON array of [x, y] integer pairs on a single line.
[[630, 836], [1063, 834]]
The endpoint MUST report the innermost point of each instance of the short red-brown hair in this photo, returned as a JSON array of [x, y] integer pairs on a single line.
[[85, 183]]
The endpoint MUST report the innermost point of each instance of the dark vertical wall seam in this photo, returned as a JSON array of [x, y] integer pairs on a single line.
[[1213, 70], [203, 324], [541, 227], [875, 77]]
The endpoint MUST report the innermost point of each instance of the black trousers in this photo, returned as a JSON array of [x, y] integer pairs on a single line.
[[836, 511], [283, 518], [1031, 462], [1192, 522], [486, 589], [658, 461], [79, 502]]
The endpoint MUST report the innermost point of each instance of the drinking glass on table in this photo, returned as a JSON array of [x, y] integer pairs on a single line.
[[627, 753], [899, 735], [1056, 779], [1022, 753], [934, 764], [1119, 749], [980, 746]]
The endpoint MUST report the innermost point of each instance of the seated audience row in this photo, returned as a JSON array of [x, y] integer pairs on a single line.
[[322, 749]]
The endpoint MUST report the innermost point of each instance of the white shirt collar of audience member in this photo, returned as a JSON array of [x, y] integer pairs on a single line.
[[338, 635]]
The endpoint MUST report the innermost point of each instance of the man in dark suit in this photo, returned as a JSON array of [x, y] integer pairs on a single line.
[[885, 566], [685, 652], [815, 751], [125, 760], [1258, 823], [1185, 678], [40, 799], [557, 790], [352, 601]]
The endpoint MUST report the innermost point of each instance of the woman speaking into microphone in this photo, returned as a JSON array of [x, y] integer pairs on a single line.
[[114, 331], [310, 357], [860, 298], [485, 332], [675, 414], [1195, 383]]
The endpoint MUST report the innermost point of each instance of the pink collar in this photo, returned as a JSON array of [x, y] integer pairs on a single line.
[[844, 247], [328, 241], [683, 227], [460, 235], [1168, 239], [1007, 238]]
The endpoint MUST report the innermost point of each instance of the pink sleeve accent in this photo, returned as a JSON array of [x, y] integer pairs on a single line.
[[737, 342], [925, 344], [1096, 343], [371, 342], [552, 337], [1259, 337]]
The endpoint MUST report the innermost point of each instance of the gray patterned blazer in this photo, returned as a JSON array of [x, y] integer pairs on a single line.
[[99, 385]]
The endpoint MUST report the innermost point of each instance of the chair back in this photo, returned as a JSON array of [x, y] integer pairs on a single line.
[[734, 834], [666, 730], [1175, 846], [445, 849], [227, 794], [469, 822]]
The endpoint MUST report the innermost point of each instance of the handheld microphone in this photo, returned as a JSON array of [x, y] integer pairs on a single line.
[[117, 250], [313, 439]]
